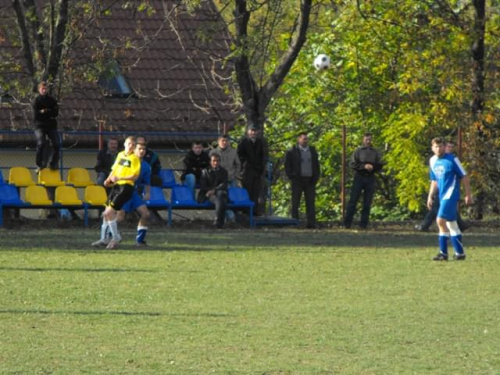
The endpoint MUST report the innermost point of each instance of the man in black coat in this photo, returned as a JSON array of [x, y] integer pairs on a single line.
[[194, 162], [105, 160], [302, 168], [45, 112], [253, 155], [213, 186], [153, 160], [365, 162]]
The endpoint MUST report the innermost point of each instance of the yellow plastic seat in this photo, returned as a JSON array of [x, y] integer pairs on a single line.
[[95, 195], [37, 196], [79, 177], [20, 177], [50, 177], [67, 195]]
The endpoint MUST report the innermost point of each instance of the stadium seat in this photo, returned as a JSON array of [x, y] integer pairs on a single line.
[[79, 177], [50, 178], [239, 196], [20, 177], [2, 181], [37, 196], [182, 196], [95, 195], [157, 198], [67, 196], [9, 195], [168, 178]]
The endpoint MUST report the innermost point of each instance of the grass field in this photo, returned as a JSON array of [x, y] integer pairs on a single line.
[[278, 301]]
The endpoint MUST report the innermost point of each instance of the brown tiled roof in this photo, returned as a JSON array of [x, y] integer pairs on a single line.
[[173, 81]]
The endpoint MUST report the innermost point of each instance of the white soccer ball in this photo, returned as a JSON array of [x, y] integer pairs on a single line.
[[322, 62]]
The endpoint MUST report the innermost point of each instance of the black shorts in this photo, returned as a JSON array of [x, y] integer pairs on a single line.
[[119, 195]]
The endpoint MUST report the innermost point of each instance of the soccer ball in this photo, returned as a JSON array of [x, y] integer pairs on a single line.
[[322, 62]]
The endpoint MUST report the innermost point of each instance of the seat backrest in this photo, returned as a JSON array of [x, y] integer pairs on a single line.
[[79, 177], [182, 195], [67, 195], [9, 194], [20, 177], [156, 195], [2, 181], [238, 195], [95, 195], [50, 177], [167, 178], [37, 196]]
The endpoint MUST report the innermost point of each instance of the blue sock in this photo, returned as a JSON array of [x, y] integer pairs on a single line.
[[443, 243], [141, 234], [456, 241]]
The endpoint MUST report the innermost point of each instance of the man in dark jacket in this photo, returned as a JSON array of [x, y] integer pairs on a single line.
[[105, 160], [252, 153], [45, 111], [302, 168], [195, 161], [365, 161], [213, 186]]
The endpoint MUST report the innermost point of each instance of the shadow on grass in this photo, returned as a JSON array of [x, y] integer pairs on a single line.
[[237, 240], [122, 313], [39, 269]]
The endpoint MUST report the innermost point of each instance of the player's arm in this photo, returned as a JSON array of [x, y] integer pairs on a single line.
[[468, 194], [432, 191]]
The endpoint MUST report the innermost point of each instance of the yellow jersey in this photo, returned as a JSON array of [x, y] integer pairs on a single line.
[[126, 165]]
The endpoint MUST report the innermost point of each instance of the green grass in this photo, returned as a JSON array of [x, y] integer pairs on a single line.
[[248, 302]]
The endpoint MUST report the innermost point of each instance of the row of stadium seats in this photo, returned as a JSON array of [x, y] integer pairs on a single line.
[[36, 196]]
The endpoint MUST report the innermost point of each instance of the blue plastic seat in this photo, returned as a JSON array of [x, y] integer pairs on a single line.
[[156, 198], [168, 178], [9, 196], [239, 196], [2, 181], [182, 196]]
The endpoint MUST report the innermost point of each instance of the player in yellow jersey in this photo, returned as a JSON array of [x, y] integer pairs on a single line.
[[124, 172]]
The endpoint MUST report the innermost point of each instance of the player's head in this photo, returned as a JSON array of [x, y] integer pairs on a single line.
[[129, 145], [141, 139], [223, 141], [197, 148], [214, 160], [367, 139], [303, 139], [140, 150], [438, 146]]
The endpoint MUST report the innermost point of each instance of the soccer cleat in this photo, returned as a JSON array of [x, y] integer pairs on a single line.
[[113, 244], [459, 256], [100, 243], [440, 257]]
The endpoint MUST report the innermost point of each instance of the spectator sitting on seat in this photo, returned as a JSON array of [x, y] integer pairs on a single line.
[[105, 160], [213, 186], [194, 162], [153, 160]]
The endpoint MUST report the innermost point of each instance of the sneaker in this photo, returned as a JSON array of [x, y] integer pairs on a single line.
[[100, 243], [113, 244], [141, 244], [459, 256], [440, 256], [421, 228]]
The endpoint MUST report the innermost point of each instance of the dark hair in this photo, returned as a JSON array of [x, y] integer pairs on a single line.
[[438, 141], [214, 155], [141, 136], [367, 134], [223, 136], [195, 143], [302, 133]]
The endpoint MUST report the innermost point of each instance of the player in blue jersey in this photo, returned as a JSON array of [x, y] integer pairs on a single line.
[[446, 172], [141, 194]]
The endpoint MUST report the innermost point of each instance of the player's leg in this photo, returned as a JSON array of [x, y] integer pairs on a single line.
[[447, 212], [456, 240], [142, 226]]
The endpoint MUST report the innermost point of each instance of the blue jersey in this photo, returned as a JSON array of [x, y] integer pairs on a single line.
[[447, 171], [144, 176], [144, 179]]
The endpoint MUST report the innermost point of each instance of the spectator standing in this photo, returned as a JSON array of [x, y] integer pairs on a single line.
[[213, 186], [45, 112], [446, 171], [153, 160], [303, 170], [124, 172], [105, 160], [195, 161], [365, 162], [252, 154]]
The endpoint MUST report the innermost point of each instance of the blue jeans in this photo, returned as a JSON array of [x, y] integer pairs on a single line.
[[190, 181]]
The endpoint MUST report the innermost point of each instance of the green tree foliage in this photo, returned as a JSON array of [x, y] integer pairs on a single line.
[[401, 70]]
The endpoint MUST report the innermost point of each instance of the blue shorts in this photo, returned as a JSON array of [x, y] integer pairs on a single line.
[[133, 203], [448, 209]]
